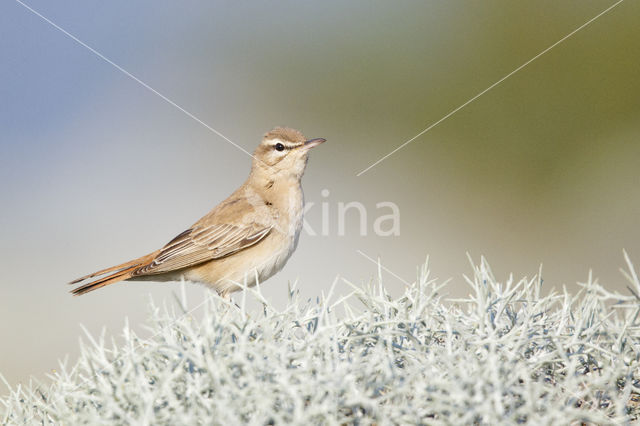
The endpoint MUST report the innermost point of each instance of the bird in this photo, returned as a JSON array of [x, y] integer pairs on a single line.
[[244, 240]]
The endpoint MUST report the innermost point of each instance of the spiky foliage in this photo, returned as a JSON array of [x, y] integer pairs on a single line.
[[506, 354]]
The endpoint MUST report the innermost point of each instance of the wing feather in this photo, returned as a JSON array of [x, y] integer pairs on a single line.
[[203, 243]]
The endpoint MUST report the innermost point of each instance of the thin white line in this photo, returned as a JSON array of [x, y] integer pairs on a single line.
[[383, 267], [490, 87], [128, 74]]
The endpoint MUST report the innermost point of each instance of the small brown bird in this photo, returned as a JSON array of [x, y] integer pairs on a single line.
[[245, 239]]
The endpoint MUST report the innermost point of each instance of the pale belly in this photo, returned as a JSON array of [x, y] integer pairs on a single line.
[[245, 268]]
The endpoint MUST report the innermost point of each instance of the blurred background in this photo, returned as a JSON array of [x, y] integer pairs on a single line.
[[95, 169]]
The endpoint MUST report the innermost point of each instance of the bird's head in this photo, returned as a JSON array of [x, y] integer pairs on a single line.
[[283, 153]]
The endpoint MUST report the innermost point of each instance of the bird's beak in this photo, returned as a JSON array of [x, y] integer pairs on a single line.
[[313, 142]]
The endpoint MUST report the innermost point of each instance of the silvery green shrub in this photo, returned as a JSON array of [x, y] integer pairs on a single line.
[[508, 354]]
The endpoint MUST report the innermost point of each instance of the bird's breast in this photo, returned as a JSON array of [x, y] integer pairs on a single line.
[[292, 223]]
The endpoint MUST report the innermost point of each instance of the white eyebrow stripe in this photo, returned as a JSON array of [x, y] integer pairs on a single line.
[[288, 145]]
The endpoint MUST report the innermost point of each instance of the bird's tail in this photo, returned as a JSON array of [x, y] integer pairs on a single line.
[[113, 274]]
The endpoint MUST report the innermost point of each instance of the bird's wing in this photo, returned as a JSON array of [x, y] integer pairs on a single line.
[[202, 243]]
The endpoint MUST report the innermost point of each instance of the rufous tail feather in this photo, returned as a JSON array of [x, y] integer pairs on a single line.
[[115, 274]]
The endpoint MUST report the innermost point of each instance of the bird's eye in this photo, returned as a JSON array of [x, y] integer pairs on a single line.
[[279, 147]]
